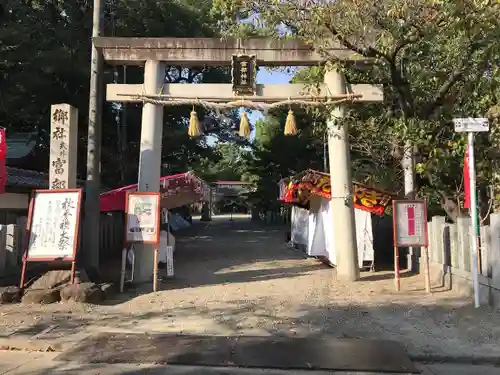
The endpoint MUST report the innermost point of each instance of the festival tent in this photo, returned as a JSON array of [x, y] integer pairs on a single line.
[[312, 226], [175, 191]]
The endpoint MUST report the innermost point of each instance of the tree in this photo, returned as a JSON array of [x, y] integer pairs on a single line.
[[275, 156], [431, 55], [44, 60], [227, 162]]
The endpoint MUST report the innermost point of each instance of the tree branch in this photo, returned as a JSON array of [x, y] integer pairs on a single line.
[[455, 76], [413, 38], [368, 52]]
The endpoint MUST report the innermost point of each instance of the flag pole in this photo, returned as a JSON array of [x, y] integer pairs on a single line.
[[474, 218]]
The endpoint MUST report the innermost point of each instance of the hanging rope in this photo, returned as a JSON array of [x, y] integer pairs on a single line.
[[195, 130], [214, 103]]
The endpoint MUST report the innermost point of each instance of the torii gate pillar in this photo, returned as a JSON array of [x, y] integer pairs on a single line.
[[150, 157], [344, 227]]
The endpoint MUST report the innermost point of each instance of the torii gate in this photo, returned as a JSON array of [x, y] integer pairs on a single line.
[[155, 53]]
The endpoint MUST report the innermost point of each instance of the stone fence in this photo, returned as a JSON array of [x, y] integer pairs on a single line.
[[450, 256]]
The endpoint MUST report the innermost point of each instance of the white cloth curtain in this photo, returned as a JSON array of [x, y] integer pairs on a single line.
[[314, 228], [317, 239], [300, 226]]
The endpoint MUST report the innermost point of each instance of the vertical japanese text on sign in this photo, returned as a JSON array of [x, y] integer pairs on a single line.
[[60, 119], [63, 146], [243, 72]]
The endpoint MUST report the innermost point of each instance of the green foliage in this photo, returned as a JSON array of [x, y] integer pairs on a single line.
[[436, 59], [44, 59], [275, 156], [227, 162]]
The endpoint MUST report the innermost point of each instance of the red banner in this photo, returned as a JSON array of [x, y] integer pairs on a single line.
[[299, 189], [3, 157], [466, 180]]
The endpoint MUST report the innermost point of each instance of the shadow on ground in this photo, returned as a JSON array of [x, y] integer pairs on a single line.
[[438, 333], [453, 330], [228, 252], [429, 327]]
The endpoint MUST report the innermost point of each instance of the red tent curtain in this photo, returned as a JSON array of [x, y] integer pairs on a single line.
[[176, 190]]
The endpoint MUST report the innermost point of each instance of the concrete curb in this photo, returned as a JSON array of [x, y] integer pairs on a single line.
[[61, 345], [463, 360], [42, 345]]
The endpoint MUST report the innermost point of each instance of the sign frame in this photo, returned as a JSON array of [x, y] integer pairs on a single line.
[[26, 257], [471, 124], [395, 203], [239, 88], [157, 214]]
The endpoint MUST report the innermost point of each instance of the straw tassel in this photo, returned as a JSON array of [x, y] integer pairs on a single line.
[[194, 125], [244, 126], [290, 125]]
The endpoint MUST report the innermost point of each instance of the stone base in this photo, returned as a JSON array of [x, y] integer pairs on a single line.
[[41, 296], [55, 286], [10, 294], [57, 278], [83, 292], [455, 279]]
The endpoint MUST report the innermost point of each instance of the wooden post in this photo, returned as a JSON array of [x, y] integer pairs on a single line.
[[155, 269], [427, 274], [397, 277], [123, 268], [73, 266]]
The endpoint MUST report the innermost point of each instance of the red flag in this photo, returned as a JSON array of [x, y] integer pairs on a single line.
[[466, 180], [3, 157]]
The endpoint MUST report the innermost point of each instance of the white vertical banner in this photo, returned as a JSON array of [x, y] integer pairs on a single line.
[[170, 261]]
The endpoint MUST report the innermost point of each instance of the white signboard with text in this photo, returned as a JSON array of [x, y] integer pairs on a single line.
[[142, 222], [470, 124], [170, 261], [53, 225], [410, 223]]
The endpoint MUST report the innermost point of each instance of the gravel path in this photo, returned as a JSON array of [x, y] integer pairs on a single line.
[[240, 278]]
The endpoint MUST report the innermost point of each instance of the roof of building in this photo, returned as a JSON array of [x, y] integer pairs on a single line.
[[21, 155], [232, 183], [28, 179], [17, 177], [20, 145]]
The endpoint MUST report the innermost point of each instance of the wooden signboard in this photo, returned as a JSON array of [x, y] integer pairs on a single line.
[[142, 217], [244, 73], [52, 228], [142, 223], [410, 229]]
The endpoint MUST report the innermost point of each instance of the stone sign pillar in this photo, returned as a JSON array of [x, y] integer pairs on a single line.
[[63, 146]]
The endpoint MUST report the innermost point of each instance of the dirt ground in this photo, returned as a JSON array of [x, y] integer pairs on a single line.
[[237, 277]]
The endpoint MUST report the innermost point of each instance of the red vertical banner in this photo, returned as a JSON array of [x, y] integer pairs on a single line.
[[410, 211], [466, 180], [3, 157]]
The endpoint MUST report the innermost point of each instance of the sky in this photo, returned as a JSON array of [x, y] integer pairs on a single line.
[[263, 77]]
